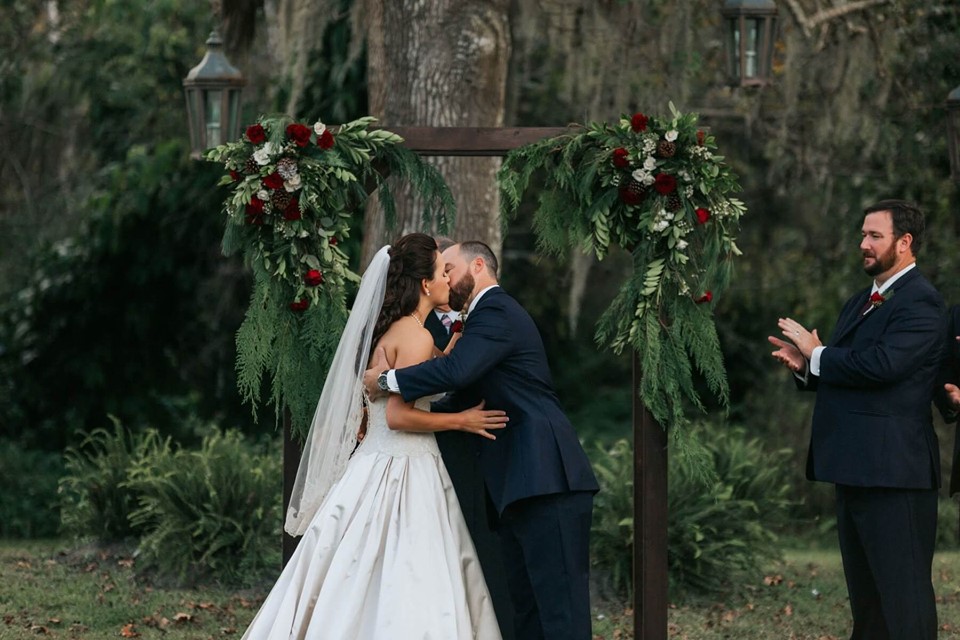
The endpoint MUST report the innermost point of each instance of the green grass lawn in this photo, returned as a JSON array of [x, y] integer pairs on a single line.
[[49, 590]]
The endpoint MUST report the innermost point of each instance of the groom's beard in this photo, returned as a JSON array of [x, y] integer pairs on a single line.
[[883, 262], [460, 292]]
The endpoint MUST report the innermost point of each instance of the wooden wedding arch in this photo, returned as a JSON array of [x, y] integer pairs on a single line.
[[649, 438]]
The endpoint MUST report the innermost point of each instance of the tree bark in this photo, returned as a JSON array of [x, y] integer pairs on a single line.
[[439, 63]]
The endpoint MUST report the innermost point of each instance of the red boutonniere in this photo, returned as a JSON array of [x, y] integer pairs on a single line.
[[457, 326], [877, 298]]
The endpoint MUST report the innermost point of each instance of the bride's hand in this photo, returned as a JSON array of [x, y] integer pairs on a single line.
[[453, 341], [477, 420]]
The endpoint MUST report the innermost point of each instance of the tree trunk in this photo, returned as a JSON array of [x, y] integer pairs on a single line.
[[440, 63]]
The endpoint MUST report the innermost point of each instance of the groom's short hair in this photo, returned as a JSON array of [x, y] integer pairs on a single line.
[[472, 249]]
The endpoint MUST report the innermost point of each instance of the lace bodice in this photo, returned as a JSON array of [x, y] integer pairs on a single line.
[[381, 439]]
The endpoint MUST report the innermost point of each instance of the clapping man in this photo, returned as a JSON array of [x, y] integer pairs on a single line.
[[872, 433]]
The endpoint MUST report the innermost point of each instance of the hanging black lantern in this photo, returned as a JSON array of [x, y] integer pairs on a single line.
[[750, 31], [953, 133], [213, 99]]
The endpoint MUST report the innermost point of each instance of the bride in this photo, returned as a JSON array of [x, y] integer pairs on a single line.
[[385, 552]]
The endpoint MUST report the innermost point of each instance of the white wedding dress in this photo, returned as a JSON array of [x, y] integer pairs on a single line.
[[387, 556]]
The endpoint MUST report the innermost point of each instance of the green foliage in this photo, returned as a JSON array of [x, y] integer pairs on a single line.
[[128, 316], [730, 525], [214, 512], [294, 192], [716, 530], [95, 499], [654, 187], [28, 501]]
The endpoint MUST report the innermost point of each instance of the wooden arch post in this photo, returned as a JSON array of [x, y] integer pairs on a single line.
[[649, 438]]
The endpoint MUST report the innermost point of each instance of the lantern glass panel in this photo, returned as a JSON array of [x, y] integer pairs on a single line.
[[734, 44], [213, 109], [750, 53]]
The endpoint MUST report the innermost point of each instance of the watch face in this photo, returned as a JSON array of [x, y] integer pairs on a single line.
[[382, 381]]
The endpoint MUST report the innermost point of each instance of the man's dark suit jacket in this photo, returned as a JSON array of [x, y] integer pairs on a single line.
[[439, 332], [500, 358], [951, 374], [872, 424]]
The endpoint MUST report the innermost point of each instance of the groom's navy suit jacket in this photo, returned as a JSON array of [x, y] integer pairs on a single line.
[[872, 423], [500, 358]]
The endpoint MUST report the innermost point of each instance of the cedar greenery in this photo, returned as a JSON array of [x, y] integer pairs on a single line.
[[295, 192], [655, 188]]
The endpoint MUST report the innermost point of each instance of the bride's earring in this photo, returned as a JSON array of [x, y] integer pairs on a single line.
[[428, 291]]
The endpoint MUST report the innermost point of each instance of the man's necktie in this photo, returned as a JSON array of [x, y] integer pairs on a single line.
[[446, 322]]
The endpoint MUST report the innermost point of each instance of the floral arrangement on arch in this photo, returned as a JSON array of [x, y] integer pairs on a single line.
[[296, 192], [657, 188]]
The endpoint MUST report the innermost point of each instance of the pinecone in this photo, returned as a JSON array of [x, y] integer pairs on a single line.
[[250, 166], [287, 168], [666, 149], [673, 202], [633, 193], [280, 199]]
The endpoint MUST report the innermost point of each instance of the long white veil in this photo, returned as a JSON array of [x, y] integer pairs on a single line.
[[333, 432]]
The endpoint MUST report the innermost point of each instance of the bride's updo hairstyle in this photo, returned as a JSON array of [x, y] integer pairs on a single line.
[[413, 258]]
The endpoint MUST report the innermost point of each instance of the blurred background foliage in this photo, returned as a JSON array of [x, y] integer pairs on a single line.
[[115, 300]]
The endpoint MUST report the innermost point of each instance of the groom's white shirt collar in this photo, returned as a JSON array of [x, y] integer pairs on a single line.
[[477, 299]]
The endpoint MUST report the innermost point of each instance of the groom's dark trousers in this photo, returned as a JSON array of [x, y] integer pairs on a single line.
[[537, 476], [873, 437]]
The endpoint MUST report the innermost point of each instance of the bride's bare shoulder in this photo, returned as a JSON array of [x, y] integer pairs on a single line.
[[411, 343]]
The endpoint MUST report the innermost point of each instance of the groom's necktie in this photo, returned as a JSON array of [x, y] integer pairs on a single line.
[[446, 322]]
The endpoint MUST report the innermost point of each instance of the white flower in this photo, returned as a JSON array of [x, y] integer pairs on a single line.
[[263, 155], [319, 128], [263, 195], [639, 175], [650, 163], [661, 225], [293, 183], [666, 216], [649, 180], [671, 135], [681, 245]]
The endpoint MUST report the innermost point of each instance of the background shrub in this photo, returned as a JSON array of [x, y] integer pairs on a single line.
[[716, 529], [212, 513], [28, 501], [95, 500]]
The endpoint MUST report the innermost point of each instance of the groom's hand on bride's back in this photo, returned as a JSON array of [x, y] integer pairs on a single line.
[[378, 364]]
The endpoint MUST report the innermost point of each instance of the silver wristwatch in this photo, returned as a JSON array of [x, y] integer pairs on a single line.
[[382, 381]]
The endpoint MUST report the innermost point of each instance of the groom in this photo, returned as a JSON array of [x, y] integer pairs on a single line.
[[536, 473]]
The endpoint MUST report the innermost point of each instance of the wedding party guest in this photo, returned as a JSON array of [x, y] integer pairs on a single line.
[[385, 551], [536, 473], [949, 395], [872, 434]]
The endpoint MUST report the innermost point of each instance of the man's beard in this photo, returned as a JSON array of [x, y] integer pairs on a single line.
[[883, 262], [460, 292]]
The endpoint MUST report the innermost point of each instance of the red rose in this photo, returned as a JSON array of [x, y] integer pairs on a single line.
[[664, 183], [299, 305], [325, 139], [456, 327], [706, 297], [700, 137], [630, 196], [292, 212], [638, 122], [255, 206], [333, 241], [620, 157], [273, 181], [313, 278], [702, 215], [299, 133], [256, 134], [234, 175]]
